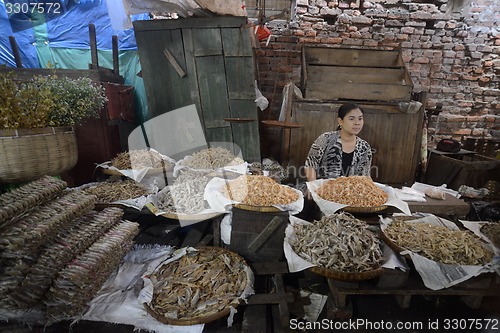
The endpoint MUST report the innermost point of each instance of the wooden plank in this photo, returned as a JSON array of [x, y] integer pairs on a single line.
[[254, 319], [264, 235], [351, 57], [274, 298], [25, 74], [207, 42], [193, 89], [174, 63], [236, 42], [240, 85], [93, 46], [246, 135], [358, 91], [213, 97], [332, 75], [116, 62], [15, 51], [198, 23], [269, 268]]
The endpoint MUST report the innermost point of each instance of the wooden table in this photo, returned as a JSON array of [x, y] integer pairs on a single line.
[[450, 207]]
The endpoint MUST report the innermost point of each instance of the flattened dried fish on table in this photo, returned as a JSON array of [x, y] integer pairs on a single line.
[[355, 191], [339, 242], [197, 285], [438, 243]]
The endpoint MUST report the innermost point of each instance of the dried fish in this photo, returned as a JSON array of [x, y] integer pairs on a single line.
[[355, 191], [108, 192], [439, 243], [212, 158], [256, 190], [185, 197], [198, 285], [339, 242], [140, 159], [492, 231]]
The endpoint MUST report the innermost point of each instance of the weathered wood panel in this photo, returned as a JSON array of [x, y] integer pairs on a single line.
[[240, 86], [358, 91], [243, 45], [334, 74], [392, 134], [352, 57], [244, 133]]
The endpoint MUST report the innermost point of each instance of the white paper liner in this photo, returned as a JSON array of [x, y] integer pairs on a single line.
[[118, 300], [330, 207], [218, 202], [437, 275]]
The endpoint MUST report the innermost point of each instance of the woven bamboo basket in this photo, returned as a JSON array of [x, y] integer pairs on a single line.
[[364, 210], [347, 276], [28, 154]]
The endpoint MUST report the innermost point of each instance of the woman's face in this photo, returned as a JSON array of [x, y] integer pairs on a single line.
[[352, 122]]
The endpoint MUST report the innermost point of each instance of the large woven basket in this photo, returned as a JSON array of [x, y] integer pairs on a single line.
[[28, 154]]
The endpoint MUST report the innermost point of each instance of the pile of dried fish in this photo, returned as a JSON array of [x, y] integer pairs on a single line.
[[438, 243], [43, 222], [258, 190], [492, 231], [355, 191], [20, 200], [339, 242], [108, 192], [184, 198], [212, 158], [73, 239], [140, 159], [78, 282], [198, 284]]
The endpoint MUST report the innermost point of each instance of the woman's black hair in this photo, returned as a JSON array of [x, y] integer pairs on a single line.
[[344, 109]]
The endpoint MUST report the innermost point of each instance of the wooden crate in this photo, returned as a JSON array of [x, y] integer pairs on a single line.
[[251, 239], [359, 74], [455, 170]]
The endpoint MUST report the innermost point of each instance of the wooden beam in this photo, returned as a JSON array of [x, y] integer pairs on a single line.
[[93, 46], [15, 52], [116, 63], [174, 63]]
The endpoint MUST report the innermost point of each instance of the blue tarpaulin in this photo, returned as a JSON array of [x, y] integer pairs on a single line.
[[60, 38]]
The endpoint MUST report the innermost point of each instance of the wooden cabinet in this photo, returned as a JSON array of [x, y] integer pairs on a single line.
[[208, 62]]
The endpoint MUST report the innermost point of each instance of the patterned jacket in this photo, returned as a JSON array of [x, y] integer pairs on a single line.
[[325, 156]]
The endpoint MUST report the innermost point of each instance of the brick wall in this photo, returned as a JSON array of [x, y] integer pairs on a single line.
[[451, 51]]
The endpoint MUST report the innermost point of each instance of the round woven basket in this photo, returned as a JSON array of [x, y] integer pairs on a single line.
[[398, 249], [32, 153], [263, 209], [366, 210], [347, 276]]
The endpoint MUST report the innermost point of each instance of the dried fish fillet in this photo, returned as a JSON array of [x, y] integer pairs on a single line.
[[355, 191], [438, 243]]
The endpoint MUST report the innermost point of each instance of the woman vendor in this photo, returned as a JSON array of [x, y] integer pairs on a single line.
[[341, 152]]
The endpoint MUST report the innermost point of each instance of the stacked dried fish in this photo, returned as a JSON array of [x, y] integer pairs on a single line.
[[439, 243], [198, 285], [212, 158], [108, 192], [22, 241], [43, 222], [492, 231], [140, 159], [78, 282], [258, 190], [185, 197], [355, 191], [20, 200], [73, 238], [339, 242]]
